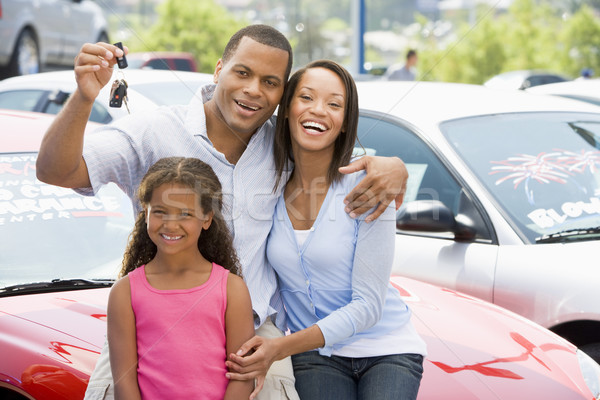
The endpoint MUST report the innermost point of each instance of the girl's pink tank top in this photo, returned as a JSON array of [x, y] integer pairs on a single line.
[[181, 338]]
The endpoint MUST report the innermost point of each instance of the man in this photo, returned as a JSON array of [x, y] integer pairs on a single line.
[[407, 72], [231, 128]]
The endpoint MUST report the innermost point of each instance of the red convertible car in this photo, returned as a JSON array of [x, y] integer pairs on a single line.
[[60, 252]]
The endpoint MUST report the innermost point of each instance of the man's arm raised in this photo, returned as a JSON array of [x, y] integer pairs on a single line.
[[60, 161]]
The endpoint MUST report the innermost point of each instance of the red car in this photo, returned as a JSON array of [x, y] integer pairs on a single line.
[[61, 251]]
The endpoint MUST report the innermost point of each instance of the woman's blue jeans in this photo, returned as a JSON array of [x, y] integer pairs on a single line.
[[389, 377]]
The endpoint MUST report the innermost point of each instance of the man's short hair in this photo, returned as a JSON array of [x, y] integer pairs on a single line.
[[411, 53], [263, 34]]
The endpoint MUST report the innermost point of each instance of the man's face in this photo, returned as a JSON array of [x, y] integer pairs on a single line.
[[249, 85]]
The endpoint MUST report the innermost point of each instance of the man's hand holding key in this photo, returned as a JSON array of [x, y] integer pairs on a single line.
[[94, 67]]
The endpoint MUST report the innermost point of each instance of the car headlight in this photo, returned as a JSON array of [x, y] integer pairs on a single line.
[[591, 372]]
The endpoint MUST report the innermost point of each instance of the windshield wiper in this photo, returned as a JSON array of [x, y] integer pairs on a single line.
[[56, 285], [571, 235]]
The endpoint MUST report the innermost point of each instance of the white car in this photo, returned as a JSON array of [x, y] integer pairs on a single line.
[[36, 33], [523, 79], [147, 89], [503, 199], [587, 90]]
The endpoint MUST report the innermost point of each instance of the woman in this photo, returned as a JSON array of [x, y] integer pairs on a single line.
[[333, 270]]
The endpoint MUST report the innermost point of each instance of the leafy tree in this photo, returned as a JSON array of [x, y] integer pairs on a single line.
[[202, 28], [581, 42], [532, 34], [475, 55]]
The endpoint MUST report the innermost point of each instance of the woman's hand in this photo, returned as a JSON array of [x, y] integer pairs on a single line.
[[253, 360], [385, 181]]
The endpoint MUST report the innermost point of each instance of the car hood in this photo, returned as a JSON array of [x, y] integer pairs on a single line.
[[480, 351], [52, 340]]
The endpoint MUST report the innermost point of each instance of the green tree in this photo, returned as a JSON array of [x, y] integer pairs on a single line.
[[202, 28], [581, 42], [475, 55], [529, 36]]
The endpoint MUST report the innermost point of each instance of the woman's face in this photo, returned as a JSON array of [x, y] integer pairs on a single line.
[[317, 110]]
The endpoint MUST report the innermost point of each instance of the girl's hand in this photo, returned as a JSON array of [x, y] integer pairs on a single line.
[[385, 181], [253, 360]]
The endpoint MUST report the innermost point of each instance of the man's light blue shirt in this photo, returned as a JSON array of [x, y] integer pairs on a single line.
[[123, 151]]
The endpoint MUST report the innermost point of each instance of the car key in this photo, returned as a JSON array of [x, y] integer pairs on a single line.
[[118, 94], [121, 61]]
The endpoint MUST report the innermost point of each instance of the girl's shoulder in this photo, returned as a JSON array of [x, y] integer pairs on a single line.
[[234, 282]]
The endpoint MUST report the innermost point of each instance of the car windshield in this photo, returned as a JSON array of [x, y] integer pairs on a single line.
[[52, 233], [543, 169]]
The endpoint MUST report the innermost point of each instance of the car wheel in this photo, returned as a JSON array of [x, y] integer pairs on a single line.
[[26, 56], [592, 350]]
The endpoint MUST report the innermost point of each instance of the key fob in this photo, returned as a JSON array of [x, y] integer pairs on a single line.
[[121, 61], [118, 92]]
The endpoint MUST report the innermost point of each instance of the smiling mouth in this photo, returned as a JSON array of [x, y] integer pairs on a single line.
[[167, 237], [246, 106], [314, 127]]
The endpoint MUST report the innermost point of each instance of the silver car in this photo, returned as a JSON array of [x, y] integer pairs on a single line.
[[503, 199], [36, 33]]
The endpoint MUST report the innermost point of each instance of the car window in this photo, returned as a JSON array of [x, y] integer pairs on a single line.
[[22, 100], [543, 169], [52, 232], [428, 178], [99, 113], [183, 65], [157, 63], [537, 80]]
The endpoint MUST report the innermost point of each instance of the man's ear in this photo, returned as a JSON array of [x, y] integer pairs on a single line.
[[218, 69]]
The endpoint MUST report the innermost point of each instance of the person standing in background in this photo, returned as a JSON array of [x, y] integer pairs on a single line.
[[407, 71]]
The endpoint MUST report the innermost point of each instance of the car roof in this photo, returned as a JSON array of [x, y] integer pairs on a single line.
[[427, 104], [160, 54], [23, 131], [65, 80], [582, 87]]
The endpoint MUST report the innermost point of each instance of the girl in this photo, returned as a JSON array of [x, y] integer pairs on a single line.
[[333, 270], [180, 306]]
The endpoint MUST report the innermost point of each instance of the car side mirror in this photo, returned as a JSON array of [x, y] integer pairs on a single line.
[[434, 216], [58, 97]]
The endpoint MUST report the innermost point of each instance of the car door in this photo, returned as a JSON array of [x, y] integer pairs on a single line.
[[436, 257], [79, 30], [50, 25]]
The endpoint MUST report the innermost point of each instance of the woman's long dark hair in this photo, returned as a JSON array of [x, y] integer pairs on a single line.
[[344, 144], [215, 243]]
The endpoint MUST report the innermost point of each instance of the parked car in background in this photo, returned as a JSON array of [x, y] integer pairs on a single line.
[[61, 251], [503, 198], [175, 61], [524, 79], [35, 34], [586, 90], [47, 92]]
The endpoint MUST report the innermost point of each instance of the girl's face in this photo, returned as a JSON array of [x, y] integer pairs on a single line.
[[174, 219], [317, 110]]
